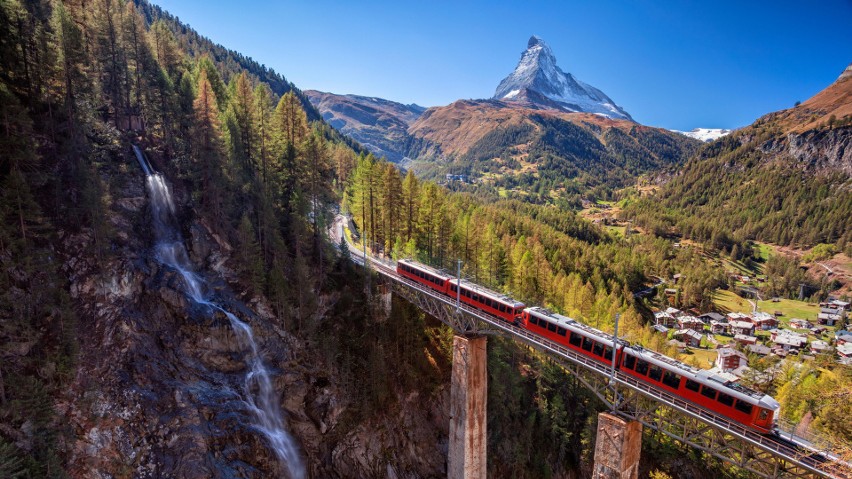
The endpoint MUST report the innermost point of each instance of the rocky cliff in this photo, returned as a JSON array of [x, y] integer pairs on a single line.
[[156, 392]]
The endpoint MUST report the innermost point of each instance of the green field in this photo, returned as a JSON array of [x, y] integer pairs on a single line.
[[791, 308], [617, 231], [764, 250], [705, 357], [727, 301]]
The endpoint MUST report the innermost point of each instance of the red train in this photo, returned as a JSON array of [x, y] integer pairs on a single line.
[[491, 302], [738, 403]]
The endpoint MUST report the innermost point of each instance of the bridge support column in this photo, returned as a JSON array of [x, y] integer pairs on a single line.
[[468, 402], [617, 448]]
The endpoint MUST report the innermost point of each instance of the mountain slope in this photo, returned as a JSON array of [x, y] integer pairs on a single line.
[[556, 153], [785, 179], [381, 126], [538, 82]]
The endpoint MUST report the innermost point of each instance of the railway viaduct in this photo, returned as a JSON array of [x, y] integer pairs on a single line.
[[633, 405]]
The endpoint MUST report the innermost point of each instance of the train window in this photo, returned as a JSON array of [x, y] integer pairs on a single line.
[[743, 406], [587, 344], [656, 373], [725, 399], [551, 327], [453, 288], [608, 353], [642, 367], [671, 379], [474, 297], [575, 339], [561, 331], [598, 349], [534, 320], [502, 308], [709, 392], [441, 283], [692, 385], [629, 361], [764, 414]]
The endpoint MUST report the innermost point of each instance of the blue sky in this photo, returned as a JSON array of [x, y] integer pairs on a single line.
[[681, 65]]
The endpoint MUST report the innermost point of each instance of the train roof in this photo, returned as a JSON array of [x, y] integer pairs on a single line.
[[504, 298], [573, 324], [671, 364], [704, 376], [433, 271]]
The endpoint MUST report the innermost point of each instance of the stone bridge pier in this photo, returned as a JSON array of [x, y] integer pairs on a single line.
[[617, 448], [468, 409]]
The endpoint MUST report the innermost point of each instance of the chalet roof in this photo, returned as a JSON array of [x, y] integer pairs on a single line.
[[759, 349], [745, 339], [689, 332], [790, 339], [727, 352], [713, 316], [741, 325]]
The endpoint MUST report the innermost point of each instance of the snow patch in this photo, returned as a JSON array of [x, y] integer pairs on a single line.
[[512, 94], [705, 134]]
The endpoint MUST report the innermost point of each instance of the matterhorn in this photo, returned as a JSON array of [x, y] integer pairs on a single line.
[[538, 82]]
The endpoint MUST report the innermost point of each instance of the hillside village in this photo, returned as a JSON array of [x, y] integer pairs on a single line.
[[739, 337]]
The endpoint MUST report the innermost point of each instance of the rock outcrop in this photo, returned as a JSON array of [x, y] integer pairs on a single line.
[[157, 386]]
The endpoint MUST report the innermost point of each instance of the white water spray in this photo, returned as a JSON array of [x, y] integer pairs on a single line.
[[259, 394]]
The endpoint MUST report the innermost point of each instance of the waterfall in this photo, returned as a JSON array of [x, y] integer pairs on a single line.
[[259, 394]]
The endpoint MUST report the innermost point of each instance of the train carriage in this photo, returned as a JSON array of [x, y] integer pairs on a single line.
[[425, 275], [738, 403], [491, 302], [702, 387]]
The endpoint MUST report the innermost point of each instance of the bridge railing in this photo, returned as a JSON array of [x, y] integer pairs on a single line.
[[388, 269]]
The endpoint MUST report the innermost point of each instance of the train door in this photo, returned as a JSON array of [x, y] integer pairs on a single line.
[[763, 418]]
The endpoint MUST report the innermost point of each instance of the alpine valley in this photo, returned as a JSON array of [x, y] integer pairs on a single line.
[[544, 136], [182, 291]]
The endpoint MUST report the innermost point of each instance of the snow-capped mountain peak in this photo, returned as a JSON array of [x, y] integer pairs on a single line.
[[539, 81], [705, 134]]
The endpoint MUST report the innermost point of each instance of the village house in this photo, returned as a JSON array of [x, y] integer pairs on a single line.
[[828, 319], [842, 337], [788, 340], [819, 347], [764, 321], [661, 329], [818, 330], [718, 327], [729, 359], [745, 340], [690, 337], [712, 316], [758, 349], [663, 318], [742, 327], [738, 317], [845, 350], [690, 322], [836, 303], [797, 323]]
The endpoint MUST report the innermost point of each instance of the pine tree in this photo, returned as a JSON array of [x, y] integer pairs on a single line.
[[207, 139], [249, 254]]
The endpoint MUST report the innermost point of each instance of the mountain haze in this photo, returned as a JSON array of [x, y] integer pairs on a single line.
[[379, 125]]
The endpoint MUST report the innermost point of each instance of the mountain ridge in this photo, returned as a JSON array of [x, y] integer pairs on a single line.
[[538, 81]]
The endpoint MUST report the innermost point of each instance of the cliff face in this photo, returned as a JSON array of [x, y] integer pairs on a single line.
[[158, 381]]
